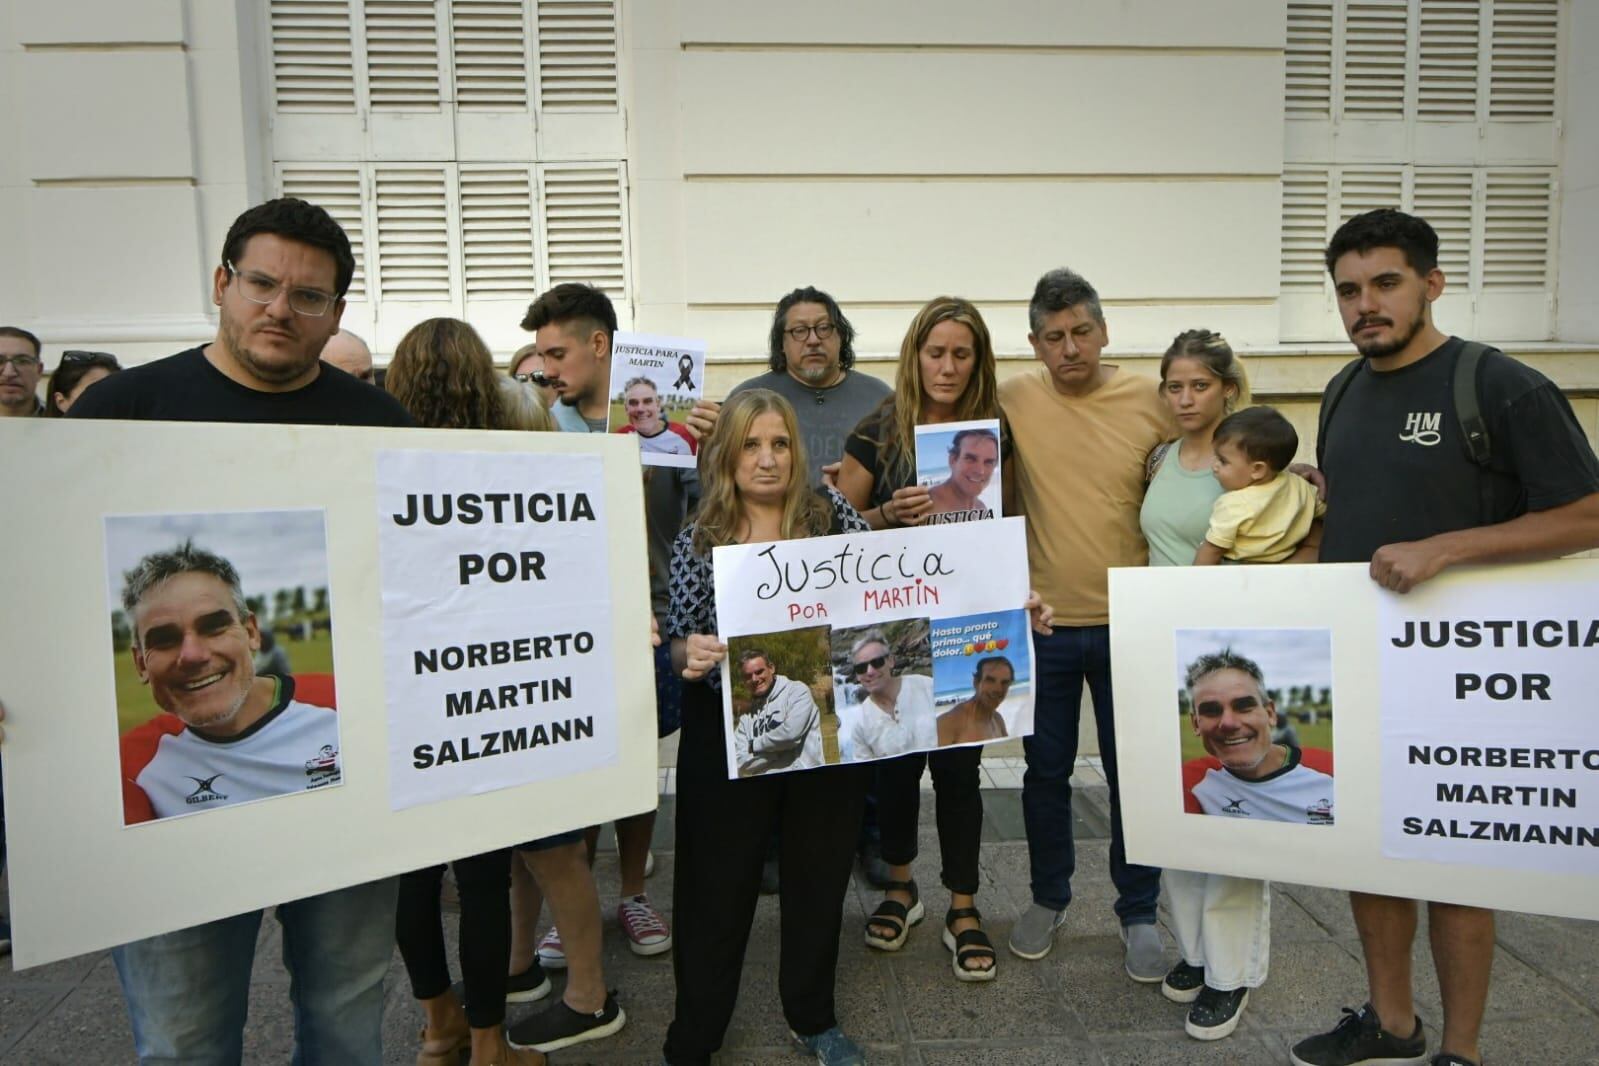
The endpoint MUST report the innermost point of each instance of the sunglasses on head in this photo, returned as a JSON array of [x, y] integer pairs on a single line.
[[869, 664], [77, 355]]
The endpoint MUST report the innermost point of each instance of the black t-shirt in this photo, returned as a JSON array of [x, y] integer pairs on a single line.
[[1397, 469], [187, 388], [864, 445]]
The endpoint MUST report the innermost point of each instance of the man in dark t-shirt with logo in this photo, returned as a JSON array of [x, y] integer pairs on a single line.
[[280, 289], [1405, 495]]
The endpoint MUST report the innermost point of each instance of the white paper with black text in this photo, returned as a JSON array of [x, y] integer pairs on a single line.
[[496, 599]]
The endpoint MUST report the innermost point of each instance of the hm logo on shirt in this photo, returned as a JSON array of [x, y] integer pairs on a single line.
[[1422, 427]]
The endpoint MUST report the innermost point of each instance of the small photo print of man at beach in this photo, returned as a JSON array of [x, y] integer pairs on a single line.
[[959, 463], [1255, 713], [982, 677]]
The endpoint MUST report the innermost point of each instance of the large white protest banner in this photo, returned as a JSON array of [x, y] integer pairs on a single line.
[[869, 645], [115, 683], [1467, 751]]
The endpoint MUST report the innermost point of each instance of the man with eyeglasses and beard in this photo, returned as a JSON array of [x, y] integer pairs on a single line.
[[280, 288], [20, 370], [811, 354]]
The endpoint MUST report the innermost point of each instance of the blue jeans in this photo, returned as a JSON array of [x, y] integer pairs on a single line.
[[188, 991], [1063, 660]]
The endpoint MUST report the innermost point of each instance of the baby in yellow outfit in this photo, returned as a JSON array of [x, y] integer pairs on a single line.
[[1264, 511]]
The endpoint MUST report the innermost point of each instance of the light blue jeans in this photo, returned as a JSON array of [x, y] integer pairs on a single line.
[[188, 991]]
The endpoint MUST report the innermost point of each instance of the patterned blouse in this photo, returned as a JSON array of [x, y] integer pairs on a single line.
[[691, 595]]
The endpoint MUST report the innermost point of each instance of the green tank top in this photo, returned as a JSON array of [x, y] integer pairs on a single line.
[[1176, 511]]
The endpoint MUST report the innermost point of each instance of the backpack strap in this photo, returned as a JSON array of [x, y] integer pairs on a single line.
[[1473, 427], [1468, 408], [1329, 402]]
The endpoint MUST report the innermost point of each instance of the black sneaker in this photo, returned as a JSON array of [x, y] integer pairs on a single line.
[[1183, 983], [5, 936], [1446, 1058], [560, 1026], [529, 986], [1215, 1013], [1360, 1040]]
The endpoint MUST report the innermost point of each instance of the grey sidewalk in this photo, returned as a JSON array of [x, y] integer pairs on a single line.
[[1074, 1007]]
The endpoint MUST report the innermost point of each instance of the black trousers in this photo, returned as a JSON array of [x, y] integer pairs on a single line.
[[959, 810], [722, 831], [484, 882]]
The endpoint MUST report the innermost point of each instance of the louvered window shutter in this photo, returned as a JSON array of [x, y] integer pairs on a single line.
[[1376, 54], [1308, 57], [585, 226], [413, 234], [402, 55], [579, 95], [1447, 62], [1523, 56], [1447, 108], [1304, 230], [499, 242]]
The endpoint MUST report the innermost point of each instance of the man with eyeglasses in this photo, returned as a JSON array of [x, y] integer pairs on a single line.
[[280, 288], [20, 370], [811, 354]]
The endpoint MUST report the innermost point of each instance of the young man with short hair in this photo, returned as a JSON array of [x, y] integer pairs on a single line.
[[1412, 504]]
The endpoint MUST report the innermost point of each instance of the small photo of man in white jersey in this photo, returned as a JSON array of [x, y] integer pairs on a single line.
[[210, 731], [1251, 767]]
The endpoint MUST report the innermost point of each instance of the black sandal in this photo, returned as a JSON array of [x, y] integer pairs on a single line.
[[893, 912], [969, 944]]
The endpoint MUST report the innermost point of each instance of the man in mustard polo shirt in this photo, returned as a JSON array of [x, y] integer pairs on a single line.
[[1080, 433]]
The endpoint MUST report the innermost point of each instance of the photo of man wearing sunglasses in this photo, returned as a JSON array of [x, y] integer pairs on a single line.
[[895, 714]]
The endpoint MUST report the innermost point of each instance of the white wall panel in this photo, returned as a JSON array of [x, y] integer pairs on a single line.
[[106, 115], [1125, 23], [100, 22], [113, 254], [891, 240], [979, 113], [1578, 307]]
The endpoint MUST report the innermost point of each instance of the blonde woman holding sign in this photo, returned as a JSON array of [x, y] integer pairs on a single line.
[[754, 489]]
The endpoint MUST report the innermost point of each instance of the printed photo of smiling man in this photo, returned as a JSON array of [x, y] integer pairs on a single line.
[[193, 598], [1255, 711], [959, 462]]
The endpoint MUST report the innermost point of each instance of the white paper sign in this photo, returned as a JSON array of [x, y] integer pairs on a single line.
[[655, 382], [1378, 702], [959, 463], [496, 602], [295, 510], [870, 645], [1490, 740]]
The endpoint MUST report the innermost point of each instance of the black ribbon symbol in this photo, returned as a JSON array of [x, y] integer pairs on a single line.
[[685, 367]]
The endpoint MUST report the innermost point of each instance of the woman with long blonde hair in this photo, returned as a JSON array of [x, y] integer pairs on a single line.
[[946, 374], [444, 376], [754, 489]]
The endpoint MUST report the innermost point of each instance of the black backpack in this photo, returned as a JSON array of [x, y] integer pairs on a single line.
[[1468, 412]]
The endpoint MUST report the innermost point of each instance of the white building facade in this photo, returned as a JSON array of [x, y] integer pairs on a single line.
[[699, 158]]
